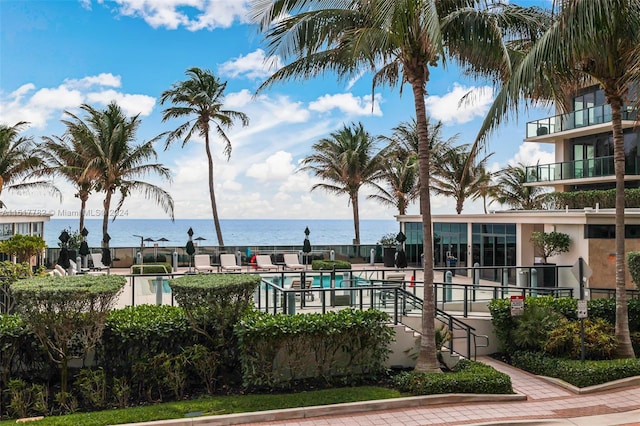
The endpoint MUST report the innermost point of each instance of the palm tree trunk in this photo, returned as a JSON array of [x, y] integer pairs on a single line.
[[427, 358], [624, 349], [356, 217], [83, 206], [212, 194], [106, 205]]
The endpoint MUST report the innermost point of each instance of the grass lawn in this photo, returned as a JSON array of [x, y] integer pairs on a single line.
[[218, 405]]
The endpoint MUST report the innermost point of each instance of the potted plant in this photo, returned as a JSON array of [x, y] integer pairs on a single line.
[[549, 244], [388, 243]]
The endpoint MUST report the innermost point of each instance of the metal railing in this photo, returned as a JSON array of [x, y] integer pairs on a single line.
[[575, 120], [578, 169]]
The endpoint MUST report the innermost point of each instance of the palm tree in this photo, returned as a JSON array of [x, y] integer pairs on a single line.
[[107, 138], [486, 188], [405, 38], [201, 97], [511, 190], [400, 178], [18, 162], [592, 40], [346, 160], [67, 157], [458, 175]]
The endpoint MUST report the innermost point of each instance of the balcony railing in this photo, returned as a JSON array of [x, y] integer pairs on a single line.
[[578, 169], [575, 120]]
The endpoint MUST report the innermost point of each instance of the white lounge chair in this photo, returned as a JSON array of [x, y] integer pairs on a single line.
[[228, 262], [202, 263], [96, 259], [291, 261], [263, 261]]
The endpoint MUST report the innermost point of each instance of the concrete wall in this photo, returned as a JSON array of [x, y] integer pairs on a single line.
[[602, 261]]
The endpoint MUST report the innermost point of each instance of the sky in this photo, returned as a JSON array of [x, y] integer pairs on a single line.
[[58, 54]]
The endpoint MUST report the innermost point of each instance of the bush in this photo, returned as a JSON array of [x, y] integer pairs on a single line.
[[467, 377], [534, 326], [329, 265], [137, 333], [278, 350], [580, 374], [633, 263], [599, 340], [152, 268]]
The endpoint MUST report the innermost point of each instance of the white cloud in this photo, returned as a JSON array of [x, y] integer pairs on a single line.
[[194, 15], [276, 167], [130, 104], [40, 105], [531, 153], [449, 109], [254, 65], [348, 103]]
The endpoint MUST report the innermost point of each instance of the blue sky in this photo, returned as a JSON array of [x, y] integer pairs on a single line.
[[56, 55]]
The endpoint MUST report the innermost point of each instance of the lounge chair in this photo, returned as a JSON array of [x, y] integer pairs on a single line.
[[96, 259], [308, 283], [228, 262], [263, 261], [202, 263], [291, 261]]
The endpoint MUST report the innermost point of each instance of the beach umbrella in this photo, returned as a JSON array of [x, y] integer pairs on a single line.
[[401, 256], [306, 245], [106, 252], [84, 247], [63, 259]]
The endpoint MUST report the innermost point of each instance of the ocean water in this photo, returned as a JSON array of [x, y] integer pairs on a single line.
[[241, 232]]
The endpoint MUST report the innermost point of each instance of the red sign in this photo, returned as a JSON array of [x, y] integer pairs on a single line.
[[517, 305]]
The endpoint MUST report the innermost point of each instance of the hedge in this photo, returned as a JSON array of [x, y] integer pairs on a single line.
[[467, 377], [278, 350], [578, 373], [329, 265]]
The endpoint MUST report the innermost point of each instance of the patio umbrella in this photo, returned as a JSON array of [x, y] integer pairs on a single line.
[[401, 256], [190, 248], [63, 259], [106, 252], [84, 247], [306, 246]]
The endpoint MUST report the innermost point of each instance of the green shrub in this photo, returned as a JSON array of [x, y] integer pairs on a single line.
[[599, 340], [580, 374], [67, 314], [534, 326], [214, 304], [633, 263], [277, 350], [140, 332], [467, 377], [582, 199], [152, 268], [329, 265]]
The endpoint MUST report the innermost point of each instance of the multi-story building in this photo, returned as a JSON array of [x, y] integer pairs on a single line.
[[583, 144], [24, 222]]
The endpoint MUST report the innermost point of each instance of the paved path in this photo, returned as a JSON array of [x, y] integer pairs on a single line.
[[546, 404]]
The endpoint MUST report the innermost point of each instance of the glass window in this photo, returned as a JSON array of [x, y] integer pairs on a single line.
[[23, 228]]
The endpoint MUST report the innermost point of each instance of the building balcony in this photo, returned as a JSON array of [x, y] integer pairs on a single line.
[[601, 167], [576, 120]]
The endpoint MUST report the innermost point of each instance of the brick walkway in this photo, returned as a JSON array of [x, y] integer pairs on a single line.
[[545, 401]]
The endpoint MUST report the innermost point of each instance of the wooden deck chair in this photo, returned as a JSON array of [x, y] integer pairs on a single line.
[[291, 262], [308, 283], [263, 261], [228, 262], [202, 263]]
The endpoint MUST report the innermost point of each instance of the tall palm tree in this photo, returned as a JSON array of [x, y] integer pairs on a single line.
[[399, 40], [592, 40], [457, 175], [201, 98], [486, 188], [18, 161], [398, 186], [346, 160], [510, 189], [66, 156], [107, 137]]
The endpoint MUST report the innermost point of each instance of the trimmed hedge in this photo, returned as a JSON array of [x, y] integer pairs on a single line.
[[467, 377], [329, 265], [582, 199], [580, 374], [278, 350]]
